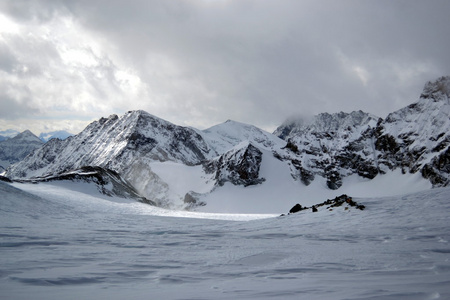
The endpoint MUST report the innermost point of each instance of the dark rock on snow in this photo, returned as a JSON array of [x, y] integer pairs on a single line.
[[297, 207], [5, 179], [330, 204], [240, 166]]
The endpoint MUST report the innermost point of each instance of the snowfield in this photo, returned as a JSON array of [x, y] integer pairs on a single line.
[[65, 241]]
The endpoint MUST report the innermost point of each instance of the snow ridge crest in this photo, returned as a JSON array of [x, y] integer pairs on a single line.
[[437, 90]]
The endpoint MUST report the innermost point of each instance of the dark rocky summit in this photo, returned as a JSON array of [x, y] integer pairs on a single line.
[[240, 166]]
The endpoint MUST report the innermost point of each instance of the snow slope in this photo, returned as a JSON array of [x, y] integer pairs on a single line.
[[279, 192], [57, 242]]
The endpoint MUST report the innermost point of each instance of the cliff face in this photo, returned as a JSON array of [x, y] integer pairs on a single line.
[[240, 166], [331, 146], [416, 138]]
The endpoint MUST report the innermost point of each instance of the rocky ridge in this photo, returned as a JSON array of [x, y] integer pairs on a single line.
[[415, 138], [330, 145], [126, 145], [108, 182], [240, 166]]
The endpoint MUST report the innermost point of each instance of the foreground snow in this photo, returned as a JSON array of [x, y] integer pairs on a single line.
[[59, 242]]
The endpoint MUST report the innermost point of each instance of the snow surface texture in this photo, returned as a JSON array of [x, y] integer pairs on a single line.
[[65, 241]]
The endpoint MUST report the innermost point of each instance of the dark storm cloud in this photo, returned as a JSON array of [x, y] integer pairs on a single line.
[[201, 62]]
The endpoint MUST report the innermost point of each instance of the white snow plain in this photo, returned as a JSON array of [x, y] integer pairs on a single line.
[[65, 241]]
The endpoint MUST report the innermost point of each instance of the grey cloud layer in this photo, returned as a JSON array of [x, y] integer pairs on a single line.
[[202, 62]]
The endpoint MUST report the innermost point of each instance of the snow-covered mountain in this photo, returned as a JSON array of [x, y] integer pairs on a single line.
[[44, 136], [159, 158], [223, 137], [415, 139], [136, 142], [331, 146], [60, 134], [126, 144], [17, 148]]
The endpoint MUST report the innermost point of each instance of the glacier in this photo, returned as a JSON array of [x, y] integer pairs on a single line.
[[64, 240]]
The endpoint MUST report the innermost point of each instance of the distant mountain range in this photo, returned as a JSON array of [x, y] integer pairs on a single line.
[[14, 146], [159, 158], [44, 136], [17, 148]]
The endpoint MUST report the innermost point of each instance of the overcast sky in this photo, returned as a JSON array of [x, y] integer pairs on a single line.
[[200, 62]]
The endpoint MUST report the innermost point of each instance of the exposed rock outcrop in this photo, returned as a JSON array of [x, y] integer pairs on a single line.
[[240, 166], [343, 200]]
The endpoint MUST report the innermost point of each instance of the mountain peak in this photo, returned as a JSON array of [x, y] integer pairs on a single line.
[[227, 135], [142, 113], [325, 122], [437, 90], [434, 104], [17, 148], [27, 135]]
